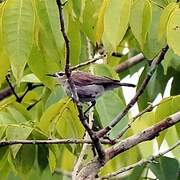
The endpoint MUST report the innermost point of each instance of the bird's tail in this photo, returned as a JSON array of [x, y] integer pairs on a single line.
[[127, 84]]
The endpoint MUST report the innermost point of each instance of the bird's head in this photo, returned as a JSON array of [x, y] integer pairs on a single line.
[[60, 76]]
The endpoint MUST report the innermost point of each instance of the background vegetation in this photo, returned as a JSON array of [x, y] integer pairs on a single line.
[[32, 45]]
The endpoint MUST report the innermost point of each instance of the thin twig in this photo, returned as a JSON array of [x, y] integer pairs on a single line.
[[51, 141], [147, 134], [139, 92], [142, 162], [148, 109], [12, 89], [155, 3], [61, 14], [75, 97], [90, 61], [62, 172], [129, 62], [80, 160]]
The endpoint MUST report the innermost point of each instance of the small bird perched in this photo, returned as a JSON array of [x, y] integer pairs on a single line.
[[88, 86]]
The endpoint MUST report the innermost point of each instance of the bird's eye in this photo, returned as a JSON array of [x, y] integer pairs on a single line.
[[60, 73]]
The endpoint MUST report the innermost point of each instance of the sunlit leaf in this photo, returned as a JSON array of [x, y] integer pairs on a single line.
[[100, 21], [18, 28], [164, 19], [173, 29], [50, 37], [44, 66], [140, 20], [75, 41], [17, 132], [52, 161], [116, 22], [152, 45]]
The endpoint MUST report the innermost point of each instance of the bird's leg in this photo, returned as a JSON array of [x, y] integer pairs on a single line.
[[92, 105]]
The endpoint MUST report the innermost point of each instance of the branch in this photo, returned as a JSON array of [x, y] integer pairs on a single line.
[[139, 92], [75, 97], [92, 168], [129, 63], [60, 7], [80, 159], [145, 135], [90, 61], [18, 99], [142, 162], [51, 141], [148, 109]]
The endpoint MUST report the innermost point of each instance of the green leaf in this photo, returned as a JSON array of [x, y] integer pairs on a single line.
[[18, 23], [116, 23], [137, 173], [42, 156], [17, 133], [108, 106], [44, 66], [67, 160], [17, 116], [75, 41], [152, 45], [68, 123], [6, 118], [55, 96], [100, 21], [5, 170], [50, 114], [173, 29], [4, 62], [140, 20], [77, 7], [24, 160], [52, 161], [164, 19], [171, 60], [173, 132], [166, 168], [165, 108], [155, 86], [50, 38], [89, 19], [30, 78]]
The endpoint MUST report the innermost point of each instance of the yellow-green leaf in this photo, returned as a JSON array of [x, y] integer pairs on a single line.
[[116, 22], [17, 133], [52, 161], [4, 61], [164, 19], [75, 41], [18, 30], [140, 20], [50, 114], [173, 31], [100, 21]]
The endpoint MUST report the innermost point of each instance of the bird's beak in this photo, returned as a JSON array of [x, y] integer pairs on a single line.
[[52, 75]]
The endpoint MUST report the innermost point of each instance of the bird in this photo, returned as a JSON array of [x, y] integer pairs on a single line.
[[89, 87]]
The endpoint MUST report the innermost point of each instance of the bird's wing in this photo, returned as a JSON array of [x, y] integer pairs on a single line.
[[85, 79]]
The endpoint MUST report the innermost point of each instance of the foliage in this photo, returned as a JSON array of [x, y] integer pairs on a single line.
[[31, 45]]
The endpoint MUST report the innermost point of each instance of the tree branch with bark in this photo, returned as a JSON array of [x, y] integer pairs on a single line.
[[82, 118], [93, 167]]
